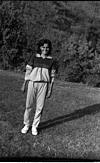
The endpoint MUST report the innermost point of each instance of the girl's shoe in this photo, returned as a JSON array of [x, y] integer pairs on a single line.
[[34, 131], [25, 129]]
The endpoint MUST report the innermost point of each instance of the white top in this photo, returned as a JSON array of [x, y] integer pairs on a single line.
[[42, 70]]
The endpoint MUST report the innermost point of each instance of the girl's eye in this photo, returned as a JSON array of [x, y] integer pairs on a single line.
[[46, 48]]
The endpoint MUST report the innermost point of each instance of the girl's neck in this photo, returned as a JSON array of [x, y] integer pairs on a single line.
[[43, 55]]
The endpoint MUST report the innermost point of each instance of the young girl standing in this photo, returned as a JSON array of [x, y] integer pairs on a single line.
[[40, 72]]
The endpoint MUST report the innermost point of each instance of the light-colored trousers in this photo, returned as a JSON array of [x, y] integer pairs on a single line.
[[36, 94]]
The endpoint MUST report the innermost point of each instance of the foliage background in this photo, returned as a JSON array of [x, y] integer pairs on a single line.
[[72, 26]]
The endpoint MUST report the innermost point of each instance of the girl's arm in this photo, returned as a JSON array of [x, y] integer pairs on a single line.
[[54, 70], [29, 68], [26, 79]]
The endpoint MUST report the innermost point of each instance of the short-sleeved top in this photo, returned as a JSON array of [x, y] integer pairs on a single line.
[[40, 69]]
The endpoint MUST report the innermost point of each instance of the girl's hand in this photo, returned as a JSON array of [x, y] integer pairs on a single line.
[[23, 87], [48, 94]]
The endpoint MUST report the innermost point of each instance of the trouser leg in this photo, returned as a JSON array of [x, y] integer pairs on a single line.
[[29, 102], [40, 100]]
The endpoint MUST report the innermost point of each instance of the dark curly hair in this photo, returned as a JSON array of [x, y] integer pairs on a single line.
[[41, 43]]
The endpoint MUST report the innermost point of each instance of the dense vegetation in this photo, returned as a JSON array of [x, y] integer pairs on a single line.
[[72, 26]]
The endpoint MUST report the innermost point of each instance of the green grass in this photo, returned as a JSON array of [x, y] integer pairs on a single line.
[[69, 128]]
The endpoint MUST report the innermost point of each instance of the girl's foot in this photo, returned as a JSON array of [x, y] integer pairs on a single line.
[[25, 129], [34, 131]]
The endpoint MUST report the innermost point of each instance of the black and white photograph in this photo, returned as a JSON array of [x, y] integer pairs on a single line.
[[49, 81]]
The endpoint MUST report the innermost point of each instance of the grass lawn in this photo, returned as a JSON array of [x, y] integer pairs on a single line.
[[69, 128]]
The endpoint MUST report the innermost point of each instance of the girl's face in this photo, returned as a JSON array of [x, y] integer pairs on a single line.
[[44, 49]]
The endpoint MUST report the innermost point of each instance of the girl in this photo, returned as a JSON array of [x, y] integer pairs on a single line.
[[40, 73]]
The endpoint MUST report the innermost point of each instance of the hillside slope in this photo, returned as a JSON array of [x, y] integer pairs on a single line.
[[72, 26]]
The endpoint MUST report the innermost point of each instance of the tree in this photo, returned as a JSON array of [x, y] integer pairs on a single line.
[[14, 37]]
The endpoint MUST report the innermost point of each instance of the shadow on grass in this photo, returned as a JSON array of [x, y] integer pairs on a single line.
[[69, 117]]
